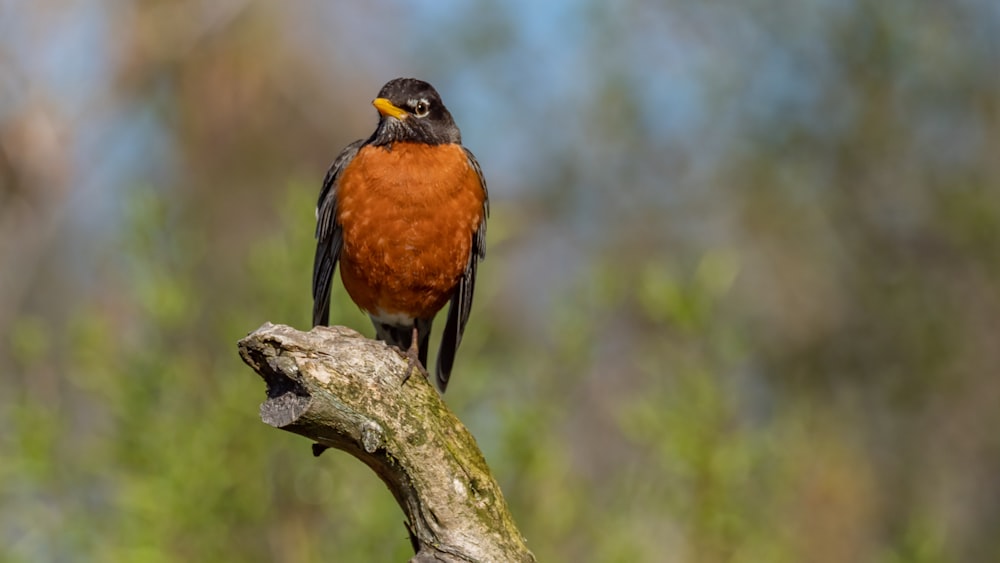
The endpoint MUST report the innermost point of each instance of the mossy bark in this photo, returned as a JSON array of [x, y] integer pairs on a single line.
[[344, 391]]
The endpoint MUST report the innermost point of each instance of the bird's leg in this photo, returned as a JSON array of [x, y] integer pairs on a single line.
[[413, 357]]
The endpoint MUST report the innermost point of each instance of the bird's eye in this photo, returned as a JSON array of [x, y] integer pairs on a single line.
[[421, 109]]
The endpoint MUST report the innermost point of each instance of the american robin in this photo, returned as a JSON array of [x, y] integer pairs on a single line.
[[404, 212]]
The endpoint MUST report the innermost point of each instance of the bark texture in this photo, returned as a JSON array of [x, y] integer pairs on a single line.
[[347, 392]]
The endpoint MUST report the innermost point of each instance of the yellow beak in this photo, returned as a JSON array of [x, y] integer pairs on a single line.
[[385, 107]]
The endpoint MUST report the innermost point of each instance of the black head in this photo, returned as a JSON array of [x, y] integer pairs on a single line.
[[411, 111]]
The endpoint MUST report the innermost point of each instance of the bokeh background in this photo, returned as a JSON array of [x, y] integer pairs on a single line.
[[740, 303]]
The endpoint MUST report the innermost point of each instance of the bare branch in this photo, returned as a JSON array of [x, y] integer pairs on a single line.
[[344, 391]]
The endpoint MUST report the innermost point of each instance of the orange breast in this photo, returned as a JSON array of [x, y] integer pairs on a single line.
[[408, 216]]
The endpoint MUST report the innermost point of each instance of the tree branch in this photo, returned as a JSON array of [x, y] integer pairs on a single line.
[[344, 391]]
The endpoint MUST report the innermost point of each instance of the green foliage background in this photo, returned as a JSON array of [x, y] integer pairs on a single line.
[[741, 298]]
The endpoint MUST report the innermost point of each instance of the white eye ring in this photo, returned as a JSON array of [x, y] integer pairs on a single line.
[[421, 108]]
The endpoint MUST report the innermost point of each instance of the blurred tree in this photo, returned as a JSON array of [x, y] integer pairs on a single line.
[[740, 301]]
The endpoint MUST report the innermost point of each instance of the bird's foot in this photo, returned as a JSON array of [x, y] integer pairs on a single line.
[[412, 365], [413, 359]]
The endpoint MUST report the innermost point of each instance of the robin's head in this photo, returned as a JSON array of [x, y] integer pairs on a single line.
[[411, 111]]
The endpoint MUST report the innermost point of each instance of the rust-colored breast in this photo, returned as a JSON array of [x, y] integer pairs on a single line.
[[408, 216]]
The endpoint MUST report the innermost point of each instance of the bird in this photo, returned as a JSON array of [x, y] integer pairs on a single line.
[[404, 213]]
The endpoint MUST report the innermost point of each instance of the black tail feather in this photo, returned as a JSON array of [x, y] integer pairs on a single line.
[[458, 315]]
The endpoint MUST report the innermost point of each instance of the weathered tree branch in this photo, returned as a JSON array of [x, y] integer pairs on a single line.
[[344, 391]]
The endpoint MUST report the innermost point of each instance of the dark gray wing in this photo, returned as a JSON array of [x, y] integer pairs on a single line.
[[461, 300], [329, 235]]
